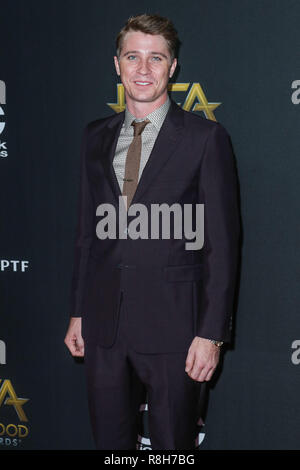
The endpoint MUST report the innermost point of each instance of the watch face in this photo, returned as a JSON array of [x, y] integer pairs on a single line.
[[217, 343]]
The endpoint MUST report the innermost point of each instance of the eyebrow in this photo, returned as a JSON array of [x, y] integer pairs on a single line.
[[153, 53]]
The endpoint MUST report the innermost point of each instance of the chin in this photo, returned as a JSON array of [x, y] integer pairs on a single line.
[[147, 97]]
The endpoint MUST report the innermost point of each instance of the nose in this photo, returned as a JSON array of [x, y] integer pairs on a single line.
[[143, 67]]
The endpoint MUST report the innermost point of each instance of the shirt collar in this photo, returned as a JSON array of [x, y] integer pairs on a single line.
[[156, 118]]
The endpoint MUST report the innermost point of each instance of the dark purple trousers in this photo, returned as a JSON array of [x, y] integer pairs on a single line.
[[117, 379]]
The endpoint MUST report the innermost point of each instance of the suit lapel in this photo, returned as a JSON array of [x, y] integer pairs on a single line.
[[107, 151], [165, 145]]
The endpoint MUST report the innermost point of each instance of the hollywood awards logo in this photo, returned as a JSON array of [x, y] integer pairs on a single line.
[[3, 143], [12, 433], [195, 99]]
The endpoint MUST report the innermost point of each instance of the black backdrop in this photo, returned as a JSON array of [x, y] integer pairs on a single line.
[[57, 74]]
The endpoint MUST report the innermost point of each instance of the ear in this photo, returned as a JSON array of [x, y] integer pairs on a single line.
[[117, 67], [173, 67]]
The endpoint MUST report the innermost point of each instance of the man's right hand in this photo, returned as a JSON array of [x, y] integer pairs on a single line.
[[73, 339]]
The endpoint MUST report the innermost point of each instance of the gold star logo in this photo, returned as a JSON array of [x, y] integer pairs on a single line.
[[12, 399], [195, 100]]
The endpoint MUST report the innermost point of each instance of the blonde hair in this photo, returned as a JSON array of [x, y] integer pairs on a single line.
[[150, 24]]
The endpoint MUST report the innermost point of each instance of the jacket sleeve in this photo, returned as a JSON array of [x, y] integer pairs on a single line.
[[218, 190], [84, 234]]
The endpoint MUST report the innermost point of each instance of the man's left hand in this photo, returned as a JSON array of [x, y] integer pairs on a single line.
[[202, 359]]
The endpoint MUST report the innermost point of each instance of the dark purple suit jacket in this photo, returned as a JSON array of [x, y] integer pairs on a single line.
[[171, 294]]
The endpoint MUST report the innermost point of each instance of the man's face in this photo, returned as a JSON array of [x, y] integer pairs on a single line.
[[145, 66]]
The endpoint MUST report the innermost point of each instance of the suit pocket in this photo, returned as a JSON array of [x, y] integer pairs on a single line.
[[185, 272]]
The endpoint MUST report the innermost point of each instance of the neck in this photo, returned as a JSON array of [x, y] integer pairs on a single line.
[[140, 109]]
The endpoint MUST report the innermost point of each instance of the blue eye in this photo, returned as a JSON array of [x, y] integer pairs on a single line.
[[156, 58], [130, 56]]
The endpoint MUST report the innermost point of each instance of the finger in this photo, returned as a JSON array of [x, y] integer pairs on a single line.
[[189, 361], [209, 375], [79, 345], [73, 346], [205, 374], [69, 344], [197, 369]]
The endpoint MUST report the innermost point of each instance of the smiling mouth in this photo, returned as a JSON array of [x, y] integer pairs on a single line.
[[138, 82]]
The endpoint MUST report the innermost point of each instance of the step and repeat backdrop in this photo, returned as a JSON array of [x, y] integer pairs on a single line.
[[238, 65]]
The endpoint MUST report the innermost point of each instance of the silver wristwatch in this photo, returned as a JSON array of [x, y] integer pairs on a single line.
[[217, 343]]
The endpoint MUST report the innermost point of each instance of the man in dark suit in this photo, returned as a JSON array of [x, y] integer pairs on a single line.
[[148, 313]]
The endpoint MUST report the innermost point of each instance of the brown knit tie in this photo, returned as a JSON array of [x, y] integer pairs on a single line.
[[133, 159]]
